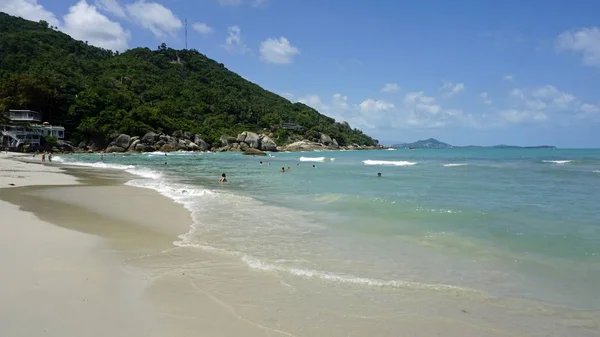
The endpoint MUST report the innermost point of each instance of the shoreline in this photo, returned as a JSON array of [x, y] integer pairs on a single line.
[[121, 238]]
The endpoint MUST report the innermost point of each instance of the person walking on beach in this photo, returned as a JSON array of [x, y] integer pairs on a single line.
[[223, 178], [102, 157], [44, 157], [50, 156]]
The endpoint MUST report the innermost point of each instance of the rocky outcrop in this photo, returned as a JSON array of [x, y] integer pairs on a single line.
[[325, 139], [122, 141], [303, 145], [254, 152], [267, 144], [112, 149], [248, 142]]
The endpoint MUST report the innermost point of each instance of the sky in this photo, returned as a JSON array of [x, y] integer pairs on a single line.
[[465, 71]]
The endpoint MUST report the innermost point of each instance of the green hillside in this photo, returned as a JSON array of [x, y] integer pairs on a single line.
[[96, 93]]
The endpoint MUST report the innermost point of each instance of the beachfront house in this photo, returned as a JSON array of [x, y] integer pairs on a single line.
[[26, 127]]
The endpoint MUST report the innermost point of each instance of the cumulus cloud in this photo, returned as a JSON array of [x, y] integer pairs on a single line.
[[584, 41], [234, 42], [450, 89], [154, 17], [202, 28], [113, 7], [84, 22], [509, 78], [390, 88], [371, 105], [28, 9], [278, 51]]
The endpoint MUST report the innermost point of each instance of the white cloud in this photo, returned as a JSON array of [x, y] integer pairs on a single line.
[[486, 98], [509, 78], [450, 89], [154, 17], [202, 28], [28, 9], [84, 22], [584, 41], [233, 42], [390, 88], [516, 116], [371, 105], [590, 108], [113, 7], [278, 51]]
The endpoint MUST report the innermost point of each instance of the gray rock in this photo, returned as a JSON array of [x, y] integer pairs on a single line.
[[187, 135], [133, 145], [242, 136], [201, 143], [139, 147], [252, 140], [325, 139], [243, 146], [113, 148], [254, 152], [122, 141], [267, 144], [160, 143], [150, 138], [227, 140], [192, 147], [334, 143], [183, 144], [168, 148], [178, 134]]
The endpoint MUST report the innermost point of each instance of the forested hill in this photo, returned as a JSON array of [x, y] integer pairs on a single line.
[[96, 93]]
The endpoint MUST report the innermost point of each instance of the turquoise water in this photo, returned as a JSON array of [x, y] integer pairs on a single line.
[[521, 223]]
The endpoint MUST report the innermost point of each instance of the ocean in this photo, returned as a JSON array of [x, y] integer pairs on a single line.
[[507, 223]]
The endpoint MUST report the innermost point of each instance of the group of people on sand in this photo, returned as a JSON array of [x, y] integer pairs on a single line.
[[44, 154]]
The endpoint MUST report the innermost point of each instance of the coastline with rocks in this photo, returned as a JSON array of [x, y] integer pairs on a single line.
[[246, 142]]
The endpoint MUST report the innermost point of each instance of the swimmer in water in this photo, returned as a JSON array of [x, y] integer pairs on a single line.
[[282, 169], [261, 162], [223, 178], [314, 165], [379, 175]]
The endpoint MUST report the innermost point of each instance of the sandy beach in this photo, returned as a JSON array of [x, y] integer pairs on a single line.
[[85, 255]]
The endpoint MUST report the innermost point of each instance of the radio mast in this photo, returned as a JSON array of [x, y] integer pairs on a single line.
[[186, 33]]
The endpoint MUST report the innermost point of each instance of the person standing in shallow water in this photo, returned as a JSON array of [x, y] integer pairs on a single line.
[[223, 178]]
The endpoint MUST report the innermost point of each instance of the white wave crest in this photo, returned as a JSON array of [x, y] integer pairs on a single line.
[[388, 162], [455, 165], [558, 162], [313, 159]]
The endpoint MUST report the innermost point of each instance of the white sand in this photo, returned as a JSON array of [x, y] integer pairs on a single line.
[[31, 172], [59, 282]]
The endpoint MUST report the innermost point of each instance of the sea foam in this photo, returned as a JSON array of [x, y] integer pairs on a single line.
[[388, 162], [558, 162], [313, 159], [455, 165]]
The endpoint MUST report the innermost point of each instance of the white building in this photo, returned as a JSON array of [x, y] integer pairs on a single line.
[[26, 129]]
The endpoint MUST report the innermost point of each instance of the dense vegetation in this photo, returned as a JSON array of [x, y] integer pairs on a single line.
[[96, 93]]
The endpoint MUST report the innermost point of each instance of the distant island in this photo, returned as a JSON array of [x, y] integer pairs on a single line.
[[432, 143]]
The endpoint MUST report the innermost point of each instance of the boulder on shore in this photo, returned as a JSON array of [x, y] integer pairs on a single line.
[[254, 152], [122, 141], [267, 144], [112, 149]]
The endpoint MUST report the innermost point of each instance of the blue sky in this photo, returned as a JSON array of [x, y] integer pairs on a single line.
[[465, 72]]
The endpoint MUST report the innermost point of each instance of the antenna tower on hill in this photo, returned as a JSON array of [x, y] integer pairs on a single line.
[[186, 33]]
